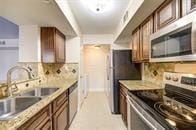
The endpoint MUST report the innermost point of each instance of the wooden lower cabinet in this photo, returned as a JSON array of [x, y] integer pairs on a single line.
[[60, 118], [123, 103], [49, 118], [47, 126], [39, 121]]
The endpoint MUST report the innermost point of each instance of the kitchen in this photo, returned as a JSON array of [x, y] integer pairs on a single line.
[[94, 64]]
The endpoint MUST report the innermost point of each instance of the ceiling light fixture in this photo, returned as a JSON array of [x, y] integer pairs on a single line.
[[97, 47], [98, 6]]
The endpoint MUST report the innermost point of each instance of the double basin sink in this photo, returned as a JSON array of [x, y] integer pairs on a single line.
[[10, 107]]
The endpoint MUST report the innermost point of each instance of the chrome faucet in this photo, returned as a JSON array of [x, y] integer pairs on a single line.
[[9, 77]]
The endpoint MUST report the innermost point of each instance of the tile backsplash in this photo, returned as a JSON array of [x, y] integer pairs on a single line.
[[45, 73], [49, 72], [154, 71]]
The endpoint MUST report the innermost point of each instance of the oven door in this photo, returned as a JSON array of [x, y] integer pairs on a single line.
[[138, 119]]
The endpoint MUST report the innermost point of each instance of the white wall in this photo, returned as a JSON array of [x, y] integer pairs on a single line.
[[95, 67], [122, 46], [132, 8], [8, 47], [97, 39], [65, 8], [73, 49], [29, 43], [9, 58]]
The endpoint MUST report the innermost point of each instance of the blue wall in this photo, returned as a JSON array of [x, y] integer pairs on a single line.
[[8, 30]]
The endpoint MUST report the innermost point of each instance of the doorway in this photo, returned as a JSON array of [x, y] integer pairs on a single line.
[[95, 66]]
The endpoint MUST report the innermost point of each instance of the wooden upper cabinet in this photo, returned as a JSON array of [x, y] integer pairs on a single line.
[[146, 30], [52, 45], [188, 6], [167, 13], [136, 45]]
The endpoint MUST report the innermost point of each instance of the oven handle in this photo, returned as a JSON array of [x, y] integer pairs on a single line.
[[143, 118]]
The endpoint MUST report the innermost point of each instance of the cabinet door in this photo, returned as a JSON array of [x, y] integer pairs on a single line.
[[135, 45], [52, 45], [60, 118], [47, 44], [167, 13], [123, 104], [122, 109], [47, 126], [125, 113], [39, 121], [188, 6], [146, 30], [60, 47]]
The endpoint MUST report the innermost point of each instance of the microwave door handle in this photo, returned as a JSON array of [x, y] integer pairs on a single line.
[[166, 45], [140, 115]]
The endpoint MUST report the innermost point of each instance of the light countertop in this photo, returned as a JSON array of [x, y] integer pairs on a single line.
[[13, 124], [134, 85]]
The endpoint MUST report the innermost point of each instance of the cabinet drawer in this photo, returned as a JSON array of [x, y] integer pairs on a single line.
[[124, 90], [39, 120], [59, 101]]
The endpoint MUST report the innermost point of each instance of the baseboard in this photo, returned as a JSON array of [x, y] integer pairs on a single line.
[[96, 90]]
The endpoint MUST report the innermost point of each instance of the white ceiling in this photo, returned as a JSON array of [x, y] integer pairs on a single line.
[[35, 12], [91, 23]]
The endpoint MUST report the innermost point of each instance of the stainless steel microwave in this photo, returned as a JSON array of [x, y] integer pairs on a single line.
[[176, 42]]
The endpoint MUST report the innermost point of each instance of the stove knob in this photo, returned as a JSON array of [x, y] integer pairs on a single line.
[[168, 103], [175, 79], [168, 77]]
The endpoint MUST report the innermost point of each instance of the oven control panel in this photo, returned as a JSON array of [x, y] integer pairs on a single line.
[[188, 81]]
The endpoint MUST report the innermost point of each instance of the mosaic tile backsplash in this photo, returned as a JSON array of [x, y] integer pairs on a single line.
[[43, 73], [154, 71]]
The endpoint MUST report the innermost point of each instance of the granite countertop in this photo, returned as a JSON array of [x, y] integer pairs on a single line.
[[134, 85], [13, 124]]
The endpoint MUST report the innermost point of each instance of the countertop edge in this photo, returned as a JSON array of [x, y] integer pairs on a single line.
[[17, 122], [136, 85]]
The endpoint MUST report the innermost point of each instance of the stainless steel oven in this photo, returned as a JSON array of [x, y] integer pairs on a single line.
[[139, 119], [176, 42]]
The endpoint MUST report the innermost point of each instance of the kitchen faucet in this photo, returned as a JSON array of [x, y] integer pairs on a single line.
[[9, 77]]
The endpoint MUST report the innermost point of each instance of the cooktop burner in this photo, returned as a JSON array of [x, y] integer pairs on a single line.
[[172, 114], [188, 102]]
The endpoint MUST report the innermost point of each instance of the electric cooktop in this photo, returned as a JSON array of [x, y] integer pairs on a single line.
[[175, 106]]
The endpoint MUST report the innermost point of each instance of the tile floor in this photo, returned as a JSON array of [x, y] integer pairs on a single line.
[[95, 115]]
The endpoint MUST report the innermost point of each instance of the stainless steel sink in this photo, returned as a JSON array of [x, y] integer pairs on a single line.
[[11, 107], [39, 92]]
